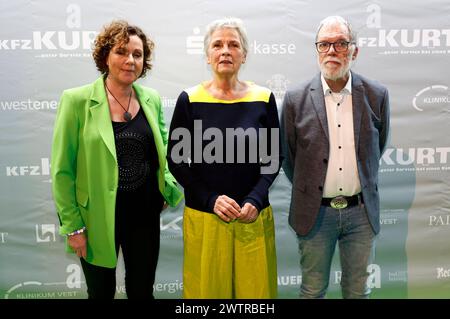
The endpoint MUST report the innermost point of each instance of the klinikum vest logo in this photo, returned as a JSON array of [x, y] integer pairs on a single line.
[[62, 44], [432, 96], [401, 40], [33, 289]]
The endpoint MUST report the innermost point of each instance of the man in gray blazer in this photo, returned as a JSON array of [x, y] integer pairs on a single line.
[[335, 128]]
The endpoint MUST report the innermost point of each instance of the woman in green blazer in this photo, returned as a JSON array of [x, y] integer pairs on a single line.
[[108, 166]]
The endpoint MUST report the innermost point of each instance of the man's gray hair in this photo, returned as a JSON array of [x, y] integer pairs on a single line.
[[338, 19], [229, 22]]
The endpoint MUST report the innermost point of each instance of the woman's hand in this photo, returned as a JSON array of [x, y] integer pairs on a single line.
[[165, 205], [249, 213], [78, 243], [226, 208]]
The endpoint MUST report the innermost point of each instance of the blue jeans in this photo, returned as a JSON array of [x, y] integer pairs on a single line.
[[351, 229]]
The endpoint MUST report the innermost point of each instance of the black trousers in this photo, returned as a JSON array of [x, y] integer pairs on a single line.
[[137, 232]]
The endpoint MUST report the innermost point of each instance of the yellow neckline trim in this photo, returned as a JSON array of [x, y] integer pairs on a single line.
[[199, 93]]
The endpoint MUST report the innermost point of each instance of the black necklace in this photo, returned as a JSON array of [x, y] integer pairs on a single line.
[[126, 115]]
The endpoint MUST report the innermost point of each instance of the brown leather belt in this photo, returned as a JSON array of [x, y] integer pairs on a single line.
[[340, 202]]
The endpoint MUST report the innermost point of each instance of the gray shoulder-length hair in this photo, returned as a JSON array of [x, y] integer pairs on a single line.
[[230, 22]]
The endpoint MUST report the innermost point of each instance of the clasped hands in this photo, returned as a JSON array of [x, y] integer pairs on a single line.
[[228, 210]]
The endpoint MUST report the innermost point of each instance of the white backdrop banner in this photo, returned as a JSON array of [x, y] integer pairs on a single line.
[[45, 47]]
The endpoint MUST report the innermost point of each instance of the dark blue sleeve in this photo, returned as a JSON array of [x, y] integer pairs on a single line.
[[270, 165], [181, 130]]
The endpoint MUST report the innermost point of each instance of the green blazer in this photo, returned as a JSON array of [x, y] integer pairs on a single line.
[[84, 166]]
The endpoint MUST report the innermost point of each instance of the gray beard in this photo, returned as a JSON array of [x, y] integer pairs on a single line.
[[340, 74], [337, 75]]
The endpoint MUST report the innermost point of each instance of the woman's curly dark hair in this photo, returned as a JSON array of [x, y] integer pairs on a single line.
[[119, 32]]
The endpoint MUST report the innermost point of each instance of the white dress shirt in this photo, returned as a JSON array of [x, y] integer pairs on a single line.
[[342, 174]]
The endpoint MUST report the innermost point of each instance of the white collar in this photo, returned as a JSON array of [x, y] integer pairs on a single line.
[[346, 90]]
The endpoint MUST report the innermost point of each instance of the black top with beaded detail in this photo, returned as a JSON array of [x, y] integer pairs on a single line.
[[137, 156]]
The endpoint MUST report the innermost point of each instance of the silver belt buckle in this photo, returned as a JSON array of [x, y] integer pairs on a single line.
[[339, 202]]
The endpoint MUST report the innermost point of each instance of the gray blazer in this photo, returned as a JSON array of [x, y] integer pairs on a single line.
[[304, 130]]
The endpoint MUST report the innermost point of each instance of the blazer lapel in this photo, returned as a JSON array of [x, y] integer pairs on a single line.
[[101, 117], [358, 105], [319, 103], [150, 111]]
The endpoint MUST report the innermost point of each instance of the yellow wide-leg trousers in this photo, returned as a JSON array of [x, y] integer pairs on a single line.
[[229, 260]]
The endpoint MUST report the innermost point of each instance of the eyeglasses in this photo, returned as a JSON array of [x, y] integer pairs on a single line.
[[339, 46]]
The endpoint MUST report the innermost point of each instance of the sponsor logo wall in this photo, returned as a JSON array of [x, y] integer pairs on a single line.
[[45, 47]]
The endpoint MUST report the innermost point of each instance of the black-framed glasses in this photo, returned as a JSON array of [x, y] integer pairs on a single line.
[[339, 46]]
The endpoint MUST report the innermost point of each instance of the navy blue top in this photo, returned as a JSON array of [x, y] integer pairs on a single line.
[[242, 181]]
